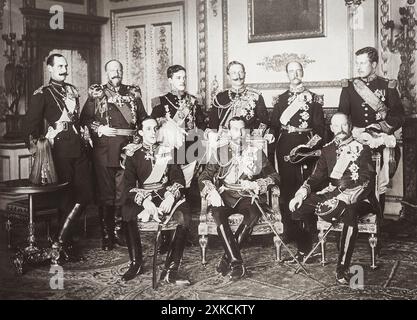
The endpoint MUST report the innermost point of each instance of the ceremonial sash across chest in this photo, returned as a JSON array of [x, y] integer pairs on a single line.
[[158, 169], [341, 165], [349, 153], [122, 107], [181, 115], [291, 110], [370, 97]]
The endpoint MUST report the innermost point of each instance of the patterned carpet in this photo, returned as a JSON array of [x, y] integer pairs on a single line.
[[98, 277]]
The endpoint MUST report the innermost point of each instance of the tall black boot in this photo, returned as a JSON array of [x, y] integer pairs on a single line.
[[105, 213], [232, 251], [118, 232], [63, 247], [110, 225], [241, 236], [166, 236], [174, 256], [134, 246], [347, 245]]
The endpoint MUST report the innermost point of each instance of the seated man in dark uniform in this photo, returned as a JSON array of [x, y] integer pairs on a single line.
[[230, 184], [346, 165], [153, 187]]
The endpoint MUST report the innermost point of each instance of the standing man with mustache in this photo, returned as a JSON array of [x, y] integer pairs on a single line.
[[346, 166], [297, 119], [58, 104], [112, 112], [239, 101], [375, 107]]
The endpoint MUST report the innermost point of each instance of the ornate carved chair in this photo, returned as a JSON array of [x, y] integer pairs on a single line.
[[207, 226], [369, 223]]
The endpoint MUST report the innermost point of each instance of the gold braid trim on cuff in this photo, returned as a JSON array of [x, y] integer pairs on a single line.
[[140, 195], [264, 183], [175, 190]]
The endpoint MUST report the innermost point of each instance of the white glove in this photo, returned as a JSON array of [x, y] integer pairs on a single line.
[[295, 202], [270, 138], [106, 131], [214, 199]]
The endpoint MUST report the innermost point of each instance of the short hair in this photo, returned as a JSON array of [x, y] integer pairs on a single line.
[[237, 118], [51, 59], [300, 64], [174, 69], [232, 63], [371, 52], [112, 60], [140, 125], [342, 114]]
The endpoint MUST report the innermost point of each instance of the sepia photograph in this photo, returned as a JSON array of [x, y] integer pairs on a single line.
[[214, 156]]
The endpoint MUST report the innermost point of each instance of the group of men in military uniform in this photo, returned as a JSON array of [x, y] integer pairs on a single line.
[[155, 175]]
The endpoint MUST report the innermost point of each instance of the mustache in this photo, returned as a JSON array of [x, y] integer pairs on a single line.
[[238, 78], [116, 77], [64, 74], [341, 133]]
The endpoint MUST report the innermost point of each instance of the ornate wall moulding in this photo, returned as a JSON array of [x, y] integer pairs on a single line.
[[285, 85], [214, 7], [202, 49], [2, 6], [278, 62]]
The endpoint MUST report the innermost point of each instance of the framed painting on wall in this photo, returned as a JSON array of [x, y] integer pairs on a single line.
[[271, 20]]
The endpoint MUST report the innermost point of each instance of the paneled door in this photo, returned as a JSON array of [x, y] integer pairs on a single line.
[[147, 40]]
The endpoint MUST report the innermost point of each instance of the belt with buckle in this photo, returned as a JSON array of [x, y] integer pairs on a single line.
[[125, 132], [65, 125], [292, 129], [233, 186], [154, 186]]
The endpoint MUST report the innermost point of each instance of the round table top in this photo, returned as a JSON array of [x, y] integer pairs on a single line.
[[24, 186]]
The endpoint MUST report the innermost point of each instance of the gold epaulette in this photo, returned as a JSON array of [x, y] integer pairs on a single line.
[[254, 91], [95, 91], [319, 98], [75, 91], [193, 99], [199, 99], [39, 90], [135, 91], [131, 148], [392, 84]]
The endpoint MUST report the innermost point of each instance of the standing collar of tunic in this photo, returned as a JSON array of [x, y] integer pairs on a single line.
[[370, 78], [298, 88]]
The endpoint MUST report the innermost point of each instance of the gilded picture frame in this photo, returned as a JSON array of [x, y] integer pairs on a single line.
[[272, 20]]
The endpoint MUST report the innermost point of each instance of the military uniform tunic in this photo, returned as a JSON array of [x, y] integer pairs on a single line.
[[120, 109]]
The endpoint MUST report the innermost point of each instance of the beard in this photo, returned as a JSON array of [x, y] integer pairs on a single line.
[[341, 136], [115, 81]]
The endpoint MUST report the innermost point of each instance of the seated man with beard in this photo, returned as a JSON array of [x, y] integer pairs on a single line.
[[231, 183], [346, 165]]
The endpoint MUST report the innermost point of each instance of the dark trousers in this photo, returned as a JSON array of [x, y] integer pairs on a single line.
[[182, 214], [76, 171], [306, 214], [109, 183], [292, 176], [249, 211]]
